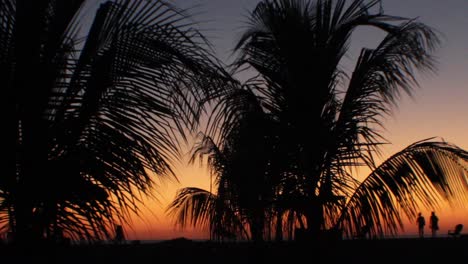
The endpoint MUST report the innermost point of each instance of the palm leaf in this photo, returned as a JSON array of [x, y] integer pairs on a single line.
[[192, 206], [425, 174]]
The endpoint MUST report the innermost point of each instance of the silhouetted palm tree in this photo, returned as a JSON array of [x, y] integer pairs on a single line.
[[95, 116], [328, 125], [297, 48]]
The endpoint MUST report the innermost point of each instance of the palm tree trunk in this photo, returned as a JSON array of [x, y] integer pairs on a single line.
[[31, 132], [315, 219], [31, 177], [257, 225], [279, 226], [23, 218]]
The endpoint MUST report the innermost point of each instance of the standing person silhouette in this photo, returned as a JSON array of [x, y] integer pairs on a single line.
[[421, 223], [119, 234], [434, 224]]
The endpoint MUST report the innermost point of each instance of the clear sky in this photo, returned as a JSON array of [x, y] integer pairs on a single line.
[[439, 107]]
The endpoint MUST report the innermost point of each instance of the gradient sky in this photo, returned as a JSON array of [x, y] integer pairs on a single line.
[[439, 107]]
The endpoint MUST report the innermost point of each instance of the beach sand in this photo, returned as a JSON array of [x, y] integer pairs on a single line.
[[414, 250]]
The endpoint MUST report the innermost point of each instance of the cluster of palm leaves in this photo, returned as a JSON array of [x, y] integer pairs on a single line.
[[97, 110], [284, 148]]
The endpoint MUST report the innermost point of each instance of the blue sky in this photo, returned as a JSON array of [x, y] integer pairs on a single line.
[[439, 107]]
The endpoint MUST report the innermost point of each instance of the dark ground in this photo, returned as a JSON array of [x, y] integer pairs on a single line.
[[441, 250]]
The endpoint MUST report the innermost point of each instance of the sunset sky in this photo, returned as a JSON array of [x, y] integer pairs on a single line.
[[439, 107]]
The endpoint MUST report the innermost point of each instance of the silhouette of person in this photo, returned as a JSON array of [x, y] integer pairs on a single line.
[[421, 223], [119, 234], [434, 224]]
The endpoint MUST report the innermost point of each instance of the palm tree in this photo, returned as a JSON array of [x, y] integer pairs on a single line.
[[95, 116], [297, 48]]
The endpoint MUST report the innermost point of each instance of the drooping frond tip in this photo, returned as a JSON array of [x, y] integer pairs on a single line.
[[426, 174]]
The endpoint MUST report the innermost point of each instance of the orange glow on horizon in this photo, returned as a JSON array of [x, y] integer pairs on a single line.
[[156, 225]]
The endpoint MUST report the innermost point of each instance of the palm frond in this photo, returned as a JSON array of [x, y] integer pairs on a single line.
[[192, 206], [425, 174]]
